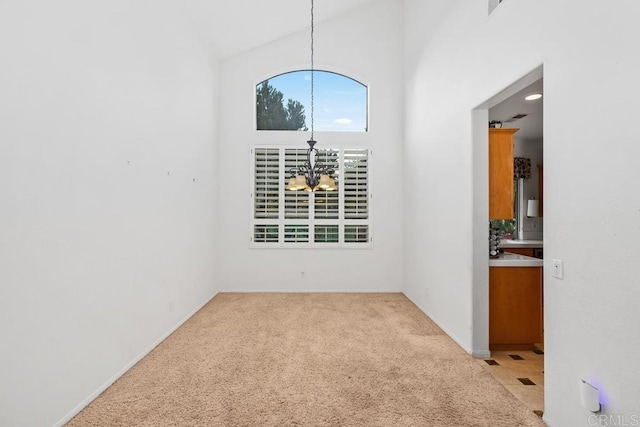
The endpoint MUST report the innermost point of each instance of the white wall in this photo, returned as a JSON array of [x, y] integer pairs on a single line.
[[453, 63], [343, 45], [102, 252]]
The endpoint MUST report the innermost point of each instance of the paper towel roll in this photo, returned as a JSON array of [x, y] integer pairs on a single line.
[[532, 208]]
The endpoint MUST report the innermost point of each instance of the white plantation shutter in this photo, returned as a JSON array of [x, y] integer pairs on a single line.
[[356, 178], [296, 233], [356, 196], [266, 183], [266, 233], [327, 233], [356, 233], [285, 218], [296, 203], [326, 204], [266, 195]]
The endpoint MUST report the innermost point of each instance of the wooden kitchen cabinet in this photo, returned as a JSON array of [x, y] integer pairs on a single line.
[[515, 307], [501, 173]]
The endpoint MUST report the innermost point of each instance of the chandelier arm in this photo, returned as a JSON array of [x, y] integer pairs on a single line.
[[312, 179], [309, 151], [300, 170]]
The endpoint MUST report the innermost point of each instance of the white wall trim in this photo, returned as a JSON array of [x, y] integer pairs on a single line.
[[314, 290], [480, 233], [120, 373], [480, 219], [481, 354], [441, 326]]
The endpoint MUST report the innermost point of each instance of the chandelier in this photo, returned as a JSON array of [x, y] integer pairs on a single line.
[[312, 175]]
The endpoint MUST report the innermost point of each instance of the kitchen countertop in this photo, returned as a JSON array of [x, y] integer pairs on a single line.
[[506, 243], [508, 259]]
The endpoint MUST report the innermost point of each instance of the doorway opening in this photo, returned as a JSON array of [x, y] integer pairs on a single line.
[[506, 109]]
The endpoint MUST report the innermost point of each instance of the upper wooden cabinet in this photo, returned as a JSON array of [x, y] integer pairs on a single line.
[[501, 173]]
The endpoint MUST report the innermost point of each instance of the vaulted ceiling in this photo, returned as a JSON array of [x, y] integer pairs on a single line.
[[231, 27]]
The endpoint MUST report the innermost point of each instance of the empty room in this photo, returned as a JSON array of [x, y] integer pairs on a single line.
[[278, 213]]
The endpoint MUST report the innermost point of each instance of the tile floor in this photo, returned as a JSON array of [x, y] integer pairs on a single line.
[[522, 373]]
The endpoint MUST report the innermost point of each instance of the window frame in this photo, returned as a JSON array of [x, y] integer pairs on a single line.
[[317, 104], [311, 220]]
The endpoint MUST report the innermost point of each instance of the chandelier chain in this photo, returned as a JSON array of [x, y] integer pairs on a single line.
[[312, 67], [313, 174]]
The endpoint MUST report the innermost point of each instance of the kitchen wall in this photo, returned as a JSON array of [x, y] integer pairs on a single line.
[[456, 58], [344, 45], [106, 241], [532, 227]]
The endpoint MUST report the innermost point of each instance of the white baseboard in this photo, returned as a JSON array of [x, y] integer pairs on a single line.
[[120, 373], [311, 291], [481, 354]]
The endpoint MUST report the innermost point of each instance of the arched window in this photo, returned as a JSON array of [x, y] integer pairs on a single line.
[[283, 102]]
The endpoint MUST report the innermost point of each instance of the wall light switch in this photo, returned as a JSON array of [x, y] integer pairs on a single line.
[[558, 268]]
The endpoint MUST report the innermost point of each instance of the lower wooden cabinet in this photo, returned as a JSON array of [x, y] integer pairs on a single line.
[[515, 307]]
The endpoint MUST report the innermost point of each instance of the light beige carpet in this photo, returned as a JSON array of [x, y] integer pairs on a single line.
[[307, 360]]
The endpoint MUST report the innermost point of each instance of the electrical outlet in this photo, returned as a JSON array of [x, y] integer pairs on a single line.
[[558, 268], [302, 274]]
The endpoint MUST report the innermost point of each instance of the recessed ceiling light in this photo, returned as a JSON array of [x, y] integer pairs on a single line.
[[533, 96]]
